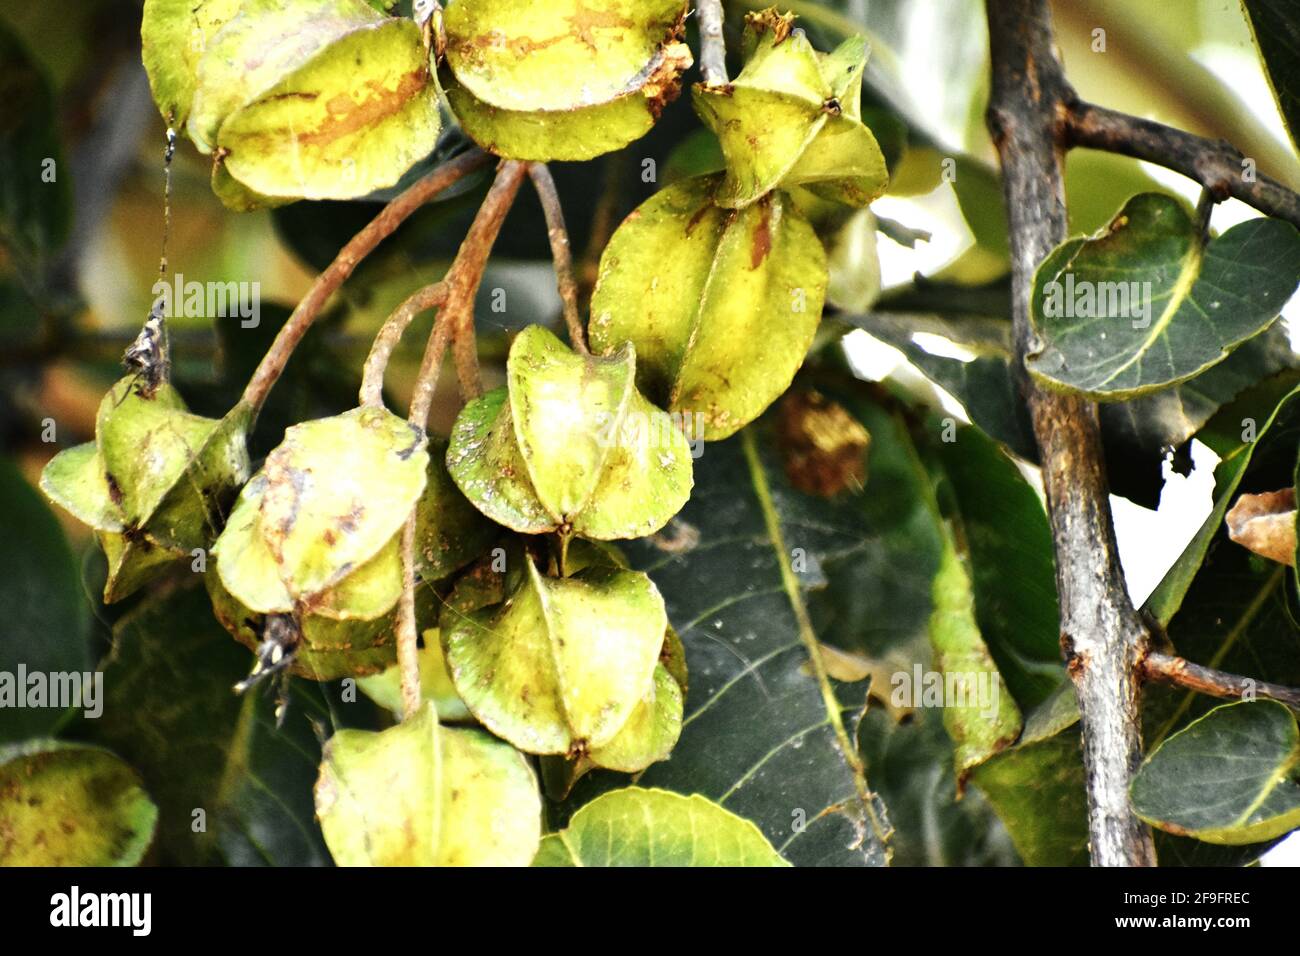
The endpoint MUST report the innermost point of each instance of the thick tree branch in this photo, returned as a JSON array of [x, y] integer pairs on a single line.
[[713, 49], [357, 248], [562, 255], [1101, 635], [1169, 669], [1218, 166]]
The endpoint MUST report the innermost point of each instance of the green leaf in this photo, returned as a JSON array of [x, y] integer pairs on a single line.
[[1229, 777], [568, 81], [46, 615], [170, 712], [562, 664], [35, 210], [1275, 26], [1136, 434], [639, 827], [68, 805], [720, 306], [1149, 303], [174, 35], [570, 444], [419, 794]]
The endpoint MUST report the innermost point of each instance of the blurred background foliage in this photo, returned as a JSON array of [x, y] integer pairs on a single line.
[[79, 255]]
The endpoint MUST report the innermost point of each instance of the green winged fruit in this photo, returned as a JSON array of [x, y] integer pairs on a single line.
[[570, 445], [419, 794], [155, 484], [563, 80], [721, 305], [793, 117]]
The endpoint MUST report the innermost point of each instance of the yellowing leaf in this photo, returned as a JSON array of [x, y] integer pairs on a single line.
[[71, 805], [174, 35]]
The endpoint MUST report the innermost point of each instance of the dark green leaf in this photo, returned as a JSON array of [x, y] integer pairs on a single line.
[[1276, 28], [46, 616], [1229, 777], [1148, 303], [170, 711]]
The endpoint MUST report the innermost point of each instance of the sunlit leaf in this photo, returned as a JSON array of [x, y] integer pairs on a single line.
[[638, 827]]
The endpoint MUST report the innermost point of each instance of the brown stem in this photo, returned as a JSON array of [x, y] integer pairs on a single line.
[[372, 377], [357, 248], [467, 272], [713, 48], [1169, 669], [1101, 635], [1218, 166], [455, 322], [560, 252]]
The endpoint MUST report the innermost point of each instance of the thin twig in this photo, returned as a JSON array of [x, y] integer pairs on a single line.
[[372, 377], [357, 248], [466, 273], [1218, 166], [1169, 669], [560, 252], [713, 48], [1101, 635], [455, 322]]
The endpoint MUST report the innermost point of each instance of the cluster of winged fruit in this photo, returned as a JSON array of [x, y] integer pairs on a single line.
[[534, 627]]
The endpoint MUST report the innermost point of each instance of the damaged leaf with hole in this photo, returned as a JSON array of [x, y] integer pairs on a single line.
[[419, 794], [570, 444], [721, 305], [567, 80], [793, 117], [156, 482]]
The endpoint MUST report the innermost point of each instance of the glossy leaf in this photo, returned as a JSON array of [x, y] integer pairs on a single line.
[[639, 827], [1229, 777], [720, 306], [570, 444], [419, 794], [1148, 303], [568, 81], [46, 617], [69, 805]]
